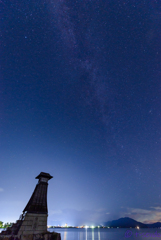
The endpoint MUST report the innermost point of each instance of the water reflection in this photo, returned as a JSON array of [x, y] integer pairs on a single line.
[[92, 234], [65, 236], [99, 238], [100, 234], [81, 234]]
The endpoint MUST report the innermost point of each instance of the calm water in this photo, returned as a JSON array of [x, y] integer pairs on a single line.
[[108, 234]]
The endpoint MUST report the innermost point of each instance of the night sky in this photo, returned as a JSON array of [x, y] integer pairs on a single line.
[[80, 98]]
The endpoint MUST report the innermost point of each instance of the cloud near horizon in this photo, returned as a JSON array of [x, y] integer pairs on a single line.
[[78, 217], [100, 216], [151, 215]]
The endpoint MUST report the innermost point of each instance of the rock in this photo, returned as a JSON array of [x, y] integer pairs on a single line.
[[40, 236]]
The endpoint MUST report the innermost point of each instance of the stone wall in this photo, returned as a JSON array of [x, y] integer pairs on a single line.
[[33, 224]]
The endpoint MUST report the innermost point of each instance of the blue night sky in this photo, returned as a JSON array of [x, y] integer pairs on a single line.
[[80, 98]]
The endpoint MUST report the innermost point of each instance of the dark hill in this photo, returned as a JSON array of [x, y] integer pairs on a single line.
[[125, 223], [154, 225]]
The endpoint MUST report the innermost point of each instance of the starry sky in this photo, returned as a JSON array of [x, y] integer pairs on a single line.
[[80, 98]]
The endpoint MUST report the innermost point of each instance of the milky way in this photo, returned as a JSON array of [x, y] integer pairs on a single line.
[[85, 52]]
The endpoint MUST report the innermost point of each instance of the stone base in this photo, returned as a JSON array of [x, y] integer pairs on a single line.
[[33, 223], [42, 236]]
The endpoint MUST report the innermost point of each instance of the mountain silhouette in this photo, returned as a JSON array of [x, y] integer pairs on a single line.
[[127, 222]]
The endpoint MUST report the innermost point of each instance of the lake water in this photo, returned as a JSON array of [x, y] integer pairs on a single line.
[[107, 234]]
